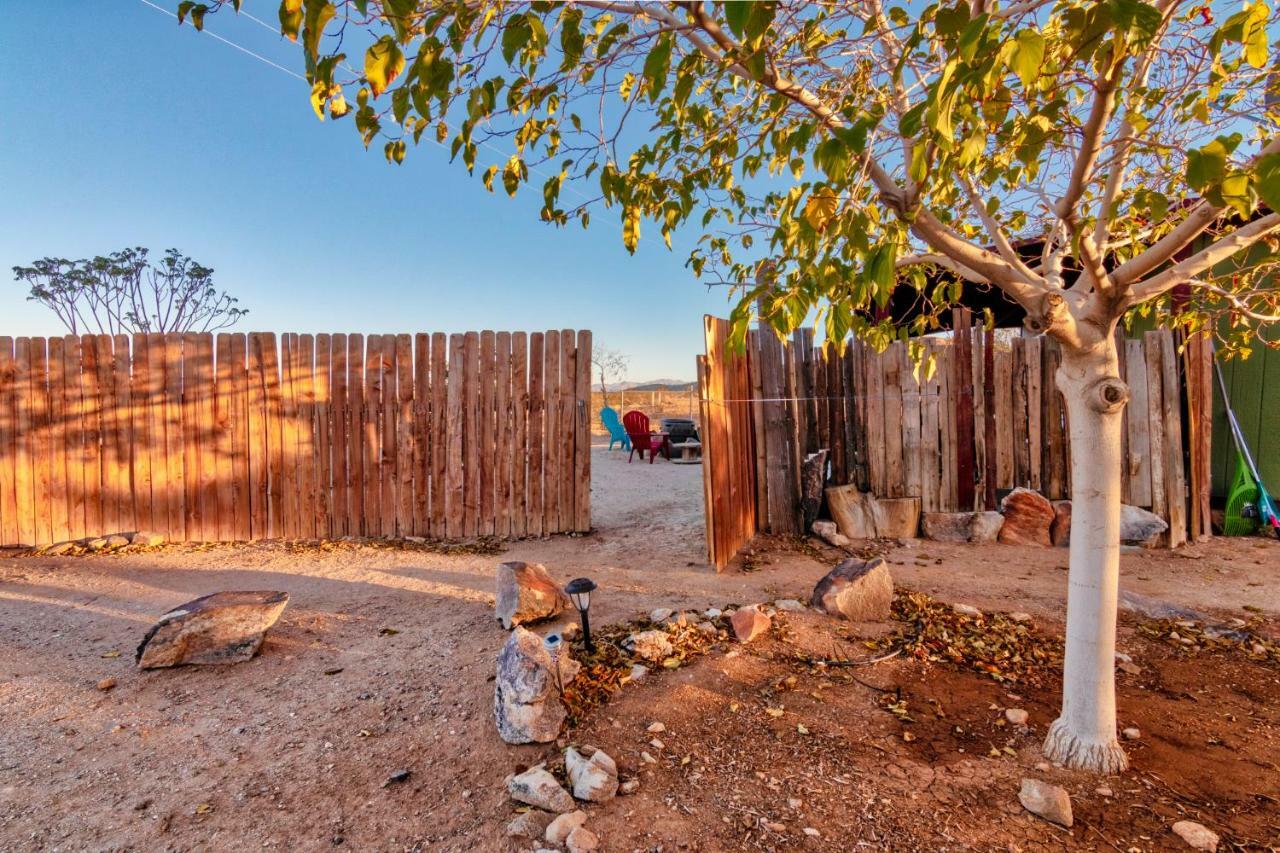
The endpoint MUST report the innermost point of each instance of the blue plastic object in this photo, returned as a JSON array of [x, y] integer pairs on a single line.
[[617, 434]]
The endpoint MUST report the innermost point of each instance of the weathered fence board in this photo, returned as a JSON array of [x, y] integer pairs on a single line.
[[234, 437], [987, 418]]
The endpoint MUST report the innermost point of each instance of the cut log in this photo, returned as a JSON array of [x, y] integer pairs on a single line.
[[861, 515], [225, 627]]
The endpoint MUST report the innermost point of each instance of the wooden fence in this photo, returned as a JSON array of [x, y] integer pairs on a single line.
[[988, 419], [233, 438]]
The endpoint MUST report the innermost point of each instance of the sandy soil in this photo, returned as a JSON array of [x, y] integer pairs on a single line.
[[384, 661]]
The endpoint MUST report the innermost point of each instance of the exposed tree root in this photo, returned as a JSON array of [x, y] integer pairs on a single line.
[[1064, 746]]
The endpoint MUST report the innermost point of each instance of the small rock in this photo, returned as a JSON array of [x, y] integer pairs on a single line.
[[225, 627], [1138, 526], [526, 593], [1027, 518], [657, 744], [647, 758], [559, 828], [582, 840], [106, 684], [946, 526], [532, 825], [58, 549], [96, 544], [712, 613], [708, 629], [859, 591], [397, 777], [1131, 733], [967, 610], [650, 645], [1020, 617], [811, 832], [985, 526], [594, 779], [538, 788], [789, 604], [1047, 801], [656, 728], [1131, 668], [1017, 716], [660, 614], [1196, 835], [749, 623], [1103, 791], [146, 539], [629, 787], [1060, 529], [117, 541], [828, 532], [639, 671], [1123, 658]]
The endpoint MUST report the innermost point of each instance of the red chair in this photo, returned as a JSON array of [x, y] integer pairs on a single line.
[[636, 424]]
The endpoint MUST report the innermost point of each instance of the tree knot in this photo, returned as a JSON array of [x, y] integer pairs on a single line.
[[1107, 395]]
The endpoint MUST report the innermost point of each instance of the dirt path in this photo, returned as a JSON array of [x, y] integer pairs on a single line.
[[384, 661]]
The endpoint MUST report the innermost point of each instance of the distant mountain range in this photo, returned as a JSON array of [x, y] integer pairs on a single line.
[[651, 385]]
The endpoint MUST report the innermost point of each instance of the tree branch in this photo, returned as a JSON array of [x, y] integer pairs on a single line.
[[1184, 271]]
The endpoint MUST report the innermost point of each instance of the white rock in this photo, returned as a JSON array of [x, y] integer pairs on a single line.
[[1047, 801], [594, 778], [1123, 658], [558, 830], [1020, 617], [712, 613], [639, 671], [811, 832], [789, 604], [538, 788], [1196, 835], [629, 787], [1017, 716], [708, 629], [531, 824], [1131, 733], [966, 610], [656, 728], [647, 758], [650, 645], [660, 614], [1103, 791]]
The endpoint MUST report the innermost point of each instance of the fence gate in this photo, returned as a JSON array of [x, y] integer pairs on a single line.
[[237, 437]]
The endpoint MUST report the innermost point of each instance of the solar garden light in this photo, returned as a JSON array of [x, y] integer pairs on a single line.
[[579, 590]]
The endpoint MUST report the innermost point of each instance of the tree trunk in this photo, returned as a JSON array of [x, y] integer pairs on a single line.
[[1084, 735]]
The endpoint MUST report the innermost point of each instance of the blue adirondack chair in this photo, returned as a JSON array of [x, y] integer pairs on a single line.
[[617, 433]]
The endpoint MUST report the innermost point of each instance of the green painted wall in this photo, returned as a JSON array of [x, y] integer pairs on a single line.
[[1253, 384]]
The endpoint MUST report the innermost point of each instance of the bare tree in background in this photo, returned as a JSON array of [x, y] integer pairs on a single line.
[[124, 292], [611, 365]]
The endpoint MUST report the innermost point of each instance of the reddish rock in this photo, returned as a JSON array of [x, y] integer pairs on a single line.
[[226, 627], [1060, 530], [1027, 518], [526, 593], [749, 623], [858, 591]]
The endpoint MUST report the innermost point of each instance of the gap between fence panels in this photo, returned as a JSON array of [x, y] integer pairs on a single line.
[[988, 420], [232, 436]]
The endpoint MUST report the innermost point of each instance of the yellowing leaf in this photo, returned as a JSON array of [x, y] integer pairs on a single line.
[[383, 62], [821, 208], [773, 712], [801, 729]]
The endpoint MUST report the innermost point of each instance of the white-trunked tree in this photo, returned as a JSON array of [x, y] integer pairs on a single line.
[[1086, 157]]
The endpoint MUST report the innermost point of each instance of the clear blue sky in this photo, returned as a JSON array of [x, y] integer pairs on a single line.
[[123, 129]]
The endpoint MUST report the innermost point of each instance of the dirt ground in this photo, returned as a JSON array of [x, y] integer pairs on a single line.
[[383, 661]]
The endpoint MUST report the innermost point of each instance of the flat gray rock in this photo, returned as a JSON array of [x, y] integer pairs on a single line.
[[225, 627]]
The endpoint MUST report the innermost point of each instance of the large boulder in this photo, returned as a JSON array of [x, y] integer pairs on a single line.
[[225, 627], [526, 700], [1060, 529], [1027, 518], [526, 593], [946, 526], [858, 591], [594, 778], [985, 526], [1138, 526]]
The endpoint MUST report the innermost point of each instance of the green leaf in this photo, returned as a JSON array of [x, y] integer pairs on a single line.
[[912, 120], [572, 42], [317, 15], [1206, 166], [1136, 18], [657, 65], [1266, 173], [290, 18], [515, 36], [736, 14], [383, 62], [1027, 57]]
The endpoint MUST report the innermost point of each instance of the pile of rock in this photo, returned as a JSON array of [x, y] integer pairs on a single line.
[[554, 818], [1027, 517], [134, 539]]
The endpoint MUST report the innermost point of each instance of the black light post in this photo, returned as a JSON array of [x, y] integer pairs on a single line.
[[579, 590]]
